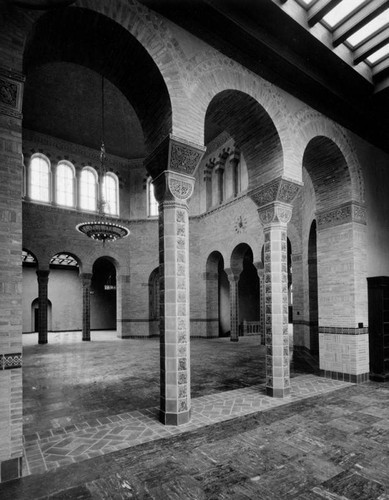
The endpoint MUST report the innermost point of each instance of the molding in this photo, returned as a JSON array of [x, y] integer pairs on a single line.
[[334, 330], [343, 214]]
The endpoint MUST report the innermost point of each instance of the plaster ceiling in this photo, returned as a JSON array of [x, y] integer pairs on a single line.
[[64, 100]]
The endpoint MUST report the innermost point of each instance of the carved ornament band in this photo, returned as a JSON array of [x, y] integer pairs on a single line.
[[10, 361], [11, 93], [350, 212], [174, 154], [280, 189]]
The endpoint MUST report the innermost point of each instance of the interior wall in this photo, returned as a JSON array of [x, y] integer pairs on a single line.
[[64, 293]]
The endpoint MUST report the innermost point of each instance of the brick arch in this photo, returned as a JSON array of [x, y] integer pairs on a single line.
[[154, 34], [335, 142], [90, 38], [237, 257], [218, 74]]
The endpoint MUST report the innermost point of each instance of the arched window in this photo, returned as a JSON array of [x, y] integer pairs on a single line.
[[65, 184], [110, 194], [40, 178], [88, 189], [152, 204]]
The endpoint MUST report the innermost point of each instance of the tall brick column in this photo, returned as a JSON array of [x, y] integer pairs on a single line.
[[342, 293], [173, 188], [43, 281], [86, 286], [233, 280], [11, 452], [275, 210]]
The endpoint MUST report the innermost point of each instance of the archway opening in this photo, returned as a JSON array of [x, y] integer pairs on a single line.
[[30, 290], [313, 294], [249, 292], [103, 295], [64, 292], [254, 133]]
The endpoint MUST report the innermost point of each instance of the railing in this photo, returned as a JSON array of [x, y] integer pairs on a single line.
[[250, 328]]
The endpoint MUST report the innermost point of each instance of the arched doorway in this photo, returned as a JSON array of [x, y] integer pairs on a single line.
[[103, 295], [35, 315], [64, 292], [249, 293], [313, 291], [217, 297]]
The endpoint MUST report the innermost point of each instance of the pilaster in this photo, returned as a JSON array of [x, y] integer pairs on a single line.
[[342, 298], [11, 164]]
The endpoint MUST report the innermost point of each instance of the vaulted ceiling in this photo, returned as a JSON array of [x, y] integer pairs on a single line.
[[306, 47]]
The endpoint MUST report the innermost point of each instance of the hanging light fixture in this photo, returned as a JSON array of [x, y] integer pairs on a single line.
[[102, 229]]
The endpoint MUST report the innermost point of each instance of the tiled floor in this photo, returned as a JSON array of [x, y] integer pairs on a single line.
[[91, 427]]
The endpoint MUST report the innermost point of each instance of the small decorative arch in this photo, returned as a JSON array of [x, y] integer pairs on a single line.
[[154, 303]]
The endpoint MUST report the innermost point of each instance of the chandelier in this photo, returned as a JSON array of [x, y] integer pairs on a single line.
[[102, 229]]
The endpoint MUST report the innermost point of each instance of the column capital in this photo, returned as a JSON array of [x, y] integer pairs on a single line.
[[174, 154], [86, 277], [281, 189], [173, 186], [231, 275], [43, 274], [275, 213]]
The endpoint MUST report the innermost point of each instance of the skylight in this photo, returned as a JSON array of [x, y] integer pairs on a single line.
[[369, 29], [341, 11], [307, 3], [379, 54]]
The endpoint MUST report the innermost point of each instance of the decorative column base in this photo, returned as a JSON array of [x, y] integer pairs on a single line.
[[344, 353], [174, 418], [278, 393]]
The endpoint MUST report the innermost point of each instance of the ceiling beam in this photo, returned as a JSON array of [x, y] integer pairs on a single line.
[[380, 66], [319, 9], [371, 45], [353, 23]]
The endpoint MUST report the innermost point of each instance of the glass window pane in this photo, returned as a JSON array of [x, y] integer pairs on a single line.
[[342, 10], [40, 179], [110, 195], [88, 190], [65, 185], [379, 54], [376, 24]]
